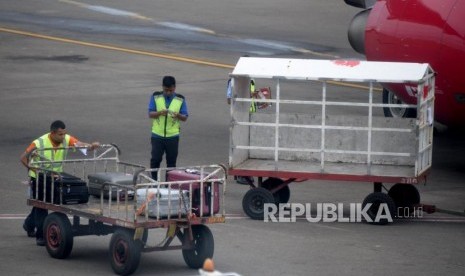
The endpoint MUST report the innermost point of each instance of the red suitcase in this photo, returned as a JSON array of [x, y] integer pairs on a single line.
[[182, 175]]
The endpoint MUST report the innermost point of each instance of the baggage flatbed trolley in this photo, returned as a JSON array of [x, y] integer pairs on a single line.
[[124, 218], [306, 134]]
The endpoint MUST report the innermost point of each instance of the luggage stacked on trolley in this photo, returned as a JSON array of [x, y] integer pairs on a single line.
[[126, 202]]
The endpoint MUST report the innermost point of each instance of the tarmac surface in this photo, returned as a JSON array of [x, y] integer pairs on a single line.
[[94, 66]]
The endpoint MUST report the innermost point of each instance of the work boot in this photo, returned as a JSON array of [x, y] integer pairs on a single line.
[[40, 242], [30, 232]]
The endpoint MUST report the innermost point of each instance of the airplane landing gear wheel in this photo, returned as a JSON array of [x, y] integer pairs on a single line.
[[396, 112]]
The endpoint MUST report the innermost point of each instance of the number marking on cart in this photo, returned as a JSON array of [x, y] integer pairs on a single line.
[[410, 180], [216, 219]]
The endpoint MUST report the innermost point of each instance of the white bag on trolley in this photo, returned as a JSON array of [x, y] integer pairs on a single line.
[[162, 201]]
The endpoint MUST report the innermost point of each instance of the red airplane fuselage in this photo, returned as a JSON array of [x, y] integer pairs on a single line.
[[423, 31]]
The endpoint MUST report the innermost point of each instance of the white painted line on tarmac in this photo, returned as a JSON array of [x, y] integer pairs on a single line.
[[436, 219], [319, 224], [187, 27], [12, 216], [118, 12], [236, 216], [192, 28], [283, 46], [107, 10]]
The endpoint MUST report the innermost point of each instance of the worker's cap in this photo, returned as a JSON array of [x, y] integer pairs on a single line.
[[169, 81]]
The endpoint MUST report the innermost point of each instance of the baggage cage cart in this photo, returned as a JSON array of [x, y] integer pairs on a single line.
[[297, 138], [120, 217]]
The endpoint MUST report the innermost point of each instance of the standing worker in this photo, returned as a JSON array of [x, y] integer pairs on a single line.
[[56, 138], [166, 109], [253, 91]]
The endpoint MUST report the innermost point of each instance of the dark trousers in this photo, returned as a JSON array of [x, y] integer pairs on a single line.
[[36, 219], [29, 222], [37, 214], [39, 218], [161, 146]]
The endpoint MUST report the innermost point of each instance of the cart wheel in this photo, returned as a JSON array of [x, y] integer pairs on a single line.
[[284, 194], [254, 201], [280, 196], [405, 196], [203, 246], [124, 252], [376, 199], [58, 235]]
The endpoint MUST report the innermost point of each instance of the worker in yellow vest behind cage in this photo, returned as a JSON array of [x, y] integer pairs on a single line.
[[56, 138], [245, 180], [253, 91], [167, 109]]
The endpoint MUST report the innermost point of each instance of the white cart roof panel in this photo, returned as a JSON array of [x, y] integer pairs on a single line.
[[342, 70]]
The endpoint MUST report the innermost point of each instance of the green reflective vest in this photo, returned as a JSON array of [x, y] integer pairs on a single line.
[[59, 155], [253, 105], [167, 126]]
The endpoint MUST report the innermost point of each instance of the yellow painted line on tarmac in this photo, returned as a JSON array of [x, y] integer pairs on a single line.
[[116, 48], [150, 54]]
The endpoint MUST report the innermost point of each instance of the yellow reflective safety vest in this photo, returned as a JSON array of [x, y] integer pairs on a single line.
[[167, 126], [56, 156], [253, 105]]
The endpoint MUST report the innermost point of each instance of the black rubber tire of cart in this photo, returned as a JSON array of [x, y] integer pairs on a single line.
[[124, 252], [280, 196], [376, 199], [254, 201], [204, 246], [58, 235], [405, 196]]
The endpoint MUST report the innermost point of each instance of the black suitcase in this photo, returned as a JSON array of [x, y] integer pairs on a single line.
[[68, 189], [97, 180]]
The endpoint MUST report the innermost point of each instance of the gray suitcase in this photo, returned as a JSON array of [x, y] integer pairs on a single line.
[[173, 203], [96, 181]]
